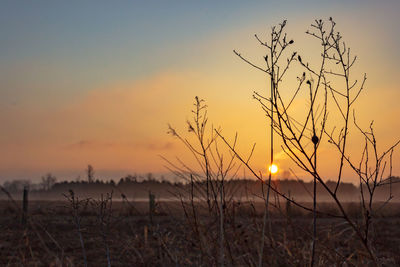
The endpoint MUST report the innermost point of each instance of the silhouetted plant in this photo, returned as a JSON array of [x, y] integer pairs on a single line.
[[104, 214], [207, 184], [76, 205], [321, 84]]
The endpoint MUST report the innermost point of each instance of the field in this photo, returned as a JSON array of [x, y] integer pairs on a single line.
[[124, 234]]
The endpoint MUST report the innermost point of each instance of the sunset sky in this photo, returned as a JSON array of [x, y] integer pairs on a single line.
[[97, 82]]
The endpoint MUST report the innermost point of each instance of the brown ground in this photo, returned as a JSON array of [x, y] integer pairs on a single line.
[[51, 237]]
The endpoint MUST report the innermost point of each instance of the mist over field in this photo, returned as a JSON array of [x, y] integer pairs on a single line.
[[137, 188]]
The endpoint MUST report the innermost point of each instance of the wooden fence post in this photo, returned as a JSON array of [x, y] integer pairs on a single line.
[[152, 205], [25, 206]]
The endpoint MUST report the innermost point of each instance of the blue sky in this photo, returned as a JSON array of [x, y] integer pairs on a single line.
[[57, 58]]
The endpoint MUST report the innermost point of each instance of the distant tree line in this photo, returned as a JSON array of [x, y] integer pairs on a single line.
[[49, 182], [131, 182]]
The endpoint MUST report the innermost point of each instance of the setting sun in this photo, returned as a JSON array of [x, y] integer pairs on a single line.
[[273, 169]]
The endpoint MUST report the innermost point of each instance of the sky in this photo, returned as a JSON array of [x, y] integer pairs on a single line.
[[97, 82]]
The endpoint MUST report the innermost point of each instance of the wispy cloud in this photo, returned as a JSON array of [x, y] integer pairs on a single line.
[[96, 145], [86, 144]]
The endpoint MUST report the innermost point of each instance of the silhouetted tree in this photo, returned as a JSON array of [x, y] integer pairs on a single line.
[[48, 181], [90, 173]]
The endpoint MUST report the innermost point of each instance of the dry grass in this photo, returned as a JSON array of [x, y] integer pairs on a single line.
[[51, 238]]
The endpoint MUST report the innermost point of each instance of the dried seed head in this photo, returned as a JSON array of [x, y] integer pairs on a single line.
[[315, 139]]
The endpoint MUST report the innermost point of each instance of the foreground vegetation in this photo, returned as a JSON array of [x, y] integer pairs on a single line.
[[125, 235]]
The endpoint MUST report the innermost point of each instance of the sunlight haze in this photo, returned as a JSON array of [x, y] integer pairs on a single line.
[[95, 82]]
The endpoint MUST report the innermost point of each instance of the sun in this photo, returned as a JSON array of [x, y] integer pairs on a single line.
[[273, 169]]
